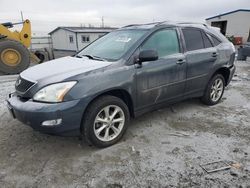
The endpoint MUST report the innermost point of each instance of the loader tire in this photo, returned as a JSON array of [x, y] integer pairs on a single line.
[[14, 56]]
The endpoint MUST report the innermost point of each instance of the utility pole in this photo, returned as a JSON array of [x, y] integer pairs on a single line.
[[102, 21], [22, 16]]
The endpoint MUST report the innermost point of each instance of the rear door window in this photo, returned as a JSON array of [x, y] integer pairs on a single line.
[[193, 39]]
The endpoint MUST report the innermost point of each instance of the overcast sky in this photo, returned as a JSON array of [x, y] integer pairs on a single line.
[[46, 15]]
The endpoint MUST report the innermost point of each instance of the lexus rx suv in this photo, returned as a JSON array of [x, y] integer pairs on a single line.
[[130, 71]]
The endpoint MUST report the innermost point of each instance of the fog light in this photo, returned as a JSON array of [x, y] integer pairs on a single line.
[[52, 122]]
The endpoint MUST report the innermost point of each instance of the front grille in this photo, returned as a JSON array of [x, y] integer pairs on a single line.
[[23, 85]]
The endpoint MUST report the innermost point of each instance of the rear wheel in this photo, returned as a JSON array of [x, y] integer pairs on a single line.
[[105, 121], [214, 90], [14, 57]]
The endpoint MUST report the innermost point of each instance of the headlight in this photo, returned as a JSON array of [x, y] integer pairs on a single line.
[[54, 92]]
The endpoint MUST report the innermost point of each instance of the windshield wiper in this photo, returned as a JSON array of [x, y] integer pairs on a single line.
[[99, 58], [92, 57], [78, 56]]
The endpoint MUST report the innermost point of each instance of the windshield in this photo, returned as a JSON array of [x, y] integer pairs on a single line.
[[113, 45]]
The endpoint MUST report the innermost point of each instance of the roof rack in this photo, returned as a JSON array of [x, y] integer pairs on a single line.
[[177, 22], [168, 22], [156, 24], [197, 23], [130, 25]]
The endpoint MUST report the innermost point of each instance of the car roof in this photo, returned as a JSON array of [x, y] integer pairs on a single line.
[[164, 23], [156, 25]]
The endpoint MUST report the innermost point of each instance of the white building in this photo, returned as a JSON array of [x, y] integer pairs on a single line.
[[41, 42], [75, 38], [236, 23]]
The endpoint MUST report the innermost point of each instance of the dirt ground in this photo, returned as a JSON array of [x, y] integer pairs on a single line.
[[160, 149]]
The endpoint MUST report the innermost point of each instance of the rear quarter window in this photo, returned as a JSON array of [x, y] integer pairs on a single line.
[[207, 42], [215, 40]]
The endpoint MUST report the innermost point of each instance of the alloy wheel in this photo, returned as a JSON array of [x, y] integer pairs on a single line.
[[216, 90], [109, 123]]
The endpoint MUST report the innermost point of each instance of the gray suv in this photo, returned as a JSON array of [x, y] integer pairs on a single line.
[[130, 71]]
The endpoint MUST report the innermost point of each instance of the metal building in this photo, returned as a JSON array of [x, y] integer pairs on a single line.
[[75, 38], [235, 23], [41, 42]]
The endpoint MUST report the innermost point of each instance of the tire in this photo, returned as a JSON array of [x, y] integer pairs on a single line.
[[22, 55], [213, 94], [40, 56], [94, 129]]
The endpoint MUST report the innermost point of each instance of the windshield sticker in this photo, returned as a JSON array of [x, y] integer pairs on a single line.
[[123, 39]]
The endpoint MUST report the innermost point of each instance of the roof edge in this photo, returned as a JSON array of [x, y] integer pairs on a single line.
[[76, 31], [238, 10], [58, 29]]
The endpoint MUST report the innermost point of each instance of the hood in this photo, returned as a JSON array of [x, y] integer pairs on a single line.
[[63, 68]]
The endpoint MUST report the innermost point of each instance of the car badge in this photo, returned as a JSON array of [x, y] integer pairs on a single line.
[[18, 82]]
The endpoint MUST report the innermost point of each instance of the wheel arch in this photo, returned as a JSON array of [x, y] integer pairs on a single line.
[[225, 72], [123, 94]]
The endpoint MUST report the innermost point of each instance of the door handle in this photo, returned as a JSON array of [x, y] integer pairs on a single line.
[[214, 54], [180, 61]]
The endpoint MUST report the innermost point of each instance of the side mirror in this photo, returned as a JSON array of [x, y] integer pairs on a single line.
[[148, 55]]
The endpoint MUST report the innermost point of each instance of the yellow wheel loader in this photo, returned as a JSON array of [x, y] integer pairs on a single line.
[[14, 54]]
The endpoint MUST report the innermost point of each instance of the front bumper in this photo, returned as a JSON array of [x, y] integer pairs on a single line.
[[35, 113]]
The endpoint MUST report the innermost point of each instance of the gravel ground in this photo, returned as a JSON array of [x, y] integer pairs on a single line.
[[160, 149]]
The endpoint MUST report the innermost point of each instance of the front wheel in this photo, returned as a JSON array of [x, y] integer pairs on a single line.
[[214, 90], [105, 121]]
